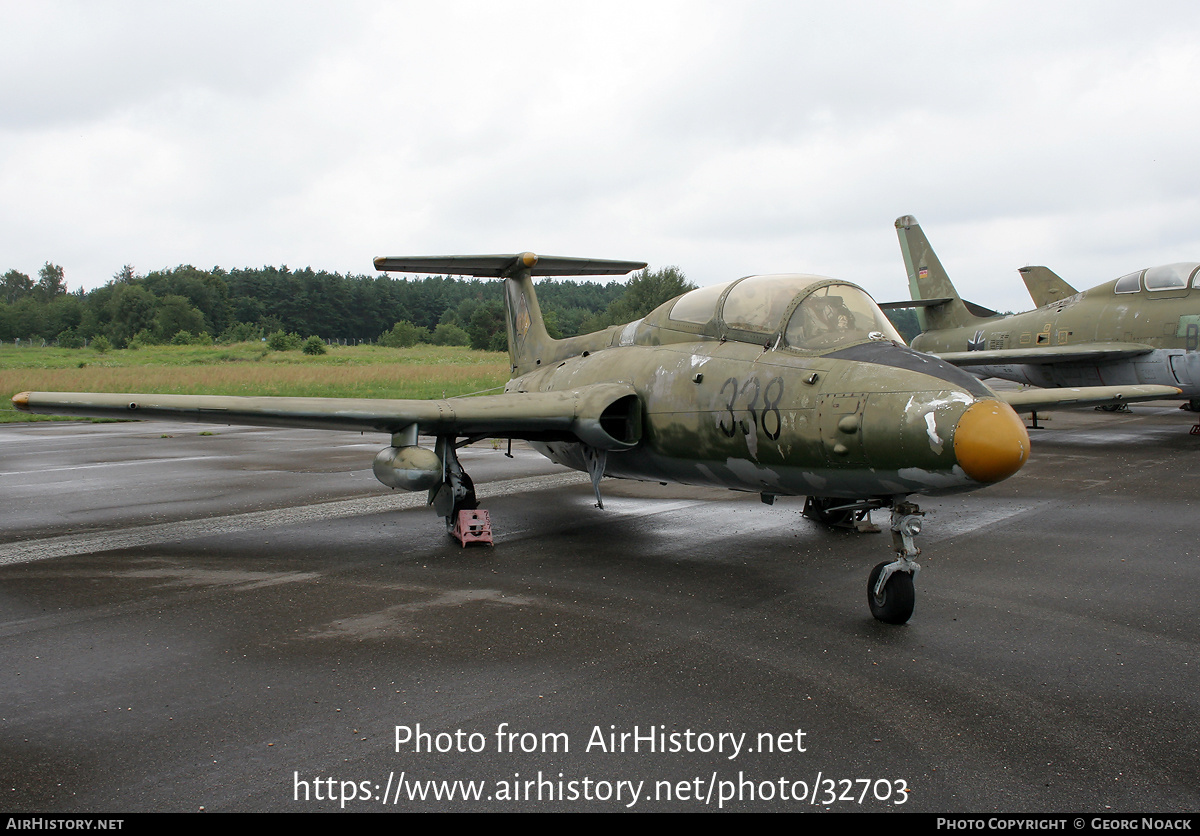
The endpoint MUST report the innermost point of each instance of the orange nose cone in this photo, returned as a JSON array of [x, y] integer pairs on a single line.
[[990, 441]]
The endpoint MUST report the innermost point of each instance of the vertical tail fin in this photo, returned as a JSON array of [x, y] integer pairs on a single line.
[[528, 341], [1045, 286], [927, 279]]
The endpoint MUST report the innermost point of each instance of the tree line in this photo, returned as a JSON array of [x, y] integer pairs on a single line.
[[187, 304]]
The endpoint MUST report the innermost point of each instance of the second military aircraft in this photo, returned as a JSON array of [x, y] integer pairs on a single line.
[[1142, 329]]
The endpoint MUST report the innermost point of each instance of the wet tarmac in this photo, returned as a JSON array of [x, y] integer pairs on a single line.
[[243, 619]]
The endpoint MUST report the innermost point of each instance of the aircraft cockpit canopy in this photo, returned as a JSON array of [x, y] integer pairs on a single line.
[[1170, 276], [1164, 277], [837, 314], [820, 313]]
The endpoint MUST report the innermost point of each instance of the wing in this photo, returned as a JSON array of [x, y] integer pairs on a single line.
[[606, 416], [1081, 353], [1032, 400]]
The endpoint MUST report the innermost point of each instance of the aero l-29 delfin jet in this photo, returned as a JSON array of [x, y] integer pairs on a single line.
[[784, 385], [1140, 330]]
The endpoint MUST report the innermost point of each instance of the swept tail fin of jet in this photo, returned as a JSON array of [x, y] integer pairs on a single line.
[[529, 344], [927, 280], [1045, 286]]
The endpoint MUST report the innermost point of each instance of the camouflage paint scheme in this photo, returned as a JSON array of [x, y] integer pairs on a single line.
[[740, 409], [1141, 329], [780, 385]]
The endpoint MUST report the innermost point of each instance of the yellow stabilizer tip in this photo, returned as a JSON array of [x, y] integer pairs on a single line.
[[21, 401]]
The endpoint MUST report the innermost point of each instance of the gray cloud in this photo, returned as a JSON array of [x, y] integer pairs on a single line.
[[724, 138]]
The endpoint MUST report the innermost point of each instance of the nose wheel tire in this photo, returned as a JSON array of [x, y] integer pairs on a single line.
[[894, 603]]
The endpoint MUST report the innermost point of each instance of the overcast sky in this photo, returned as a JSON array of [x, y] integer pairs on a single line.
[[725, 138]]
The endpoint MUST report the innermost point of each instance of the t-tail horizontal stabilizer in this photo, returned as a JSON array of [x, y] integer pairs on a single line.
[[529, 343], [500, 266]]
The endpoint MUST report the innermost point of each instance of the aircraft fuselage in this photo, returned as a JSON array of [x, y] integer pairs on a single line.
[[869, 420], [1160, 329]]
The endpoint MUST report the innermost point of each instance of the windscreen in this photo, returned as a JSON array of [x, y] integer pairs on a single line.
[[836, 315]]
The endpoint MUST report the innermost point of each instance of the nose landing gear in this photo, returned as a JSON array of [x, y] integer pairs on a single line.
[[890, 592]]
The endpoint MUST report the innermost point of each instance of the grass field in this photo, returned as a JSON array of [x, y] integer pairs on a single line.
[[423, 371]]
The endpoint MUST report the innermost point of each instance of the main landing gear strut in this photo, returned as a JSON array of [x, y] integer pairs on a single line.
[[457, 491]]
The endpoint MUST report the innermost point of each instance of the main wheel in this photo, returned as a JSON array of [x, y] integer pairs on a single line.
[[895, 604], [446, 504]]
